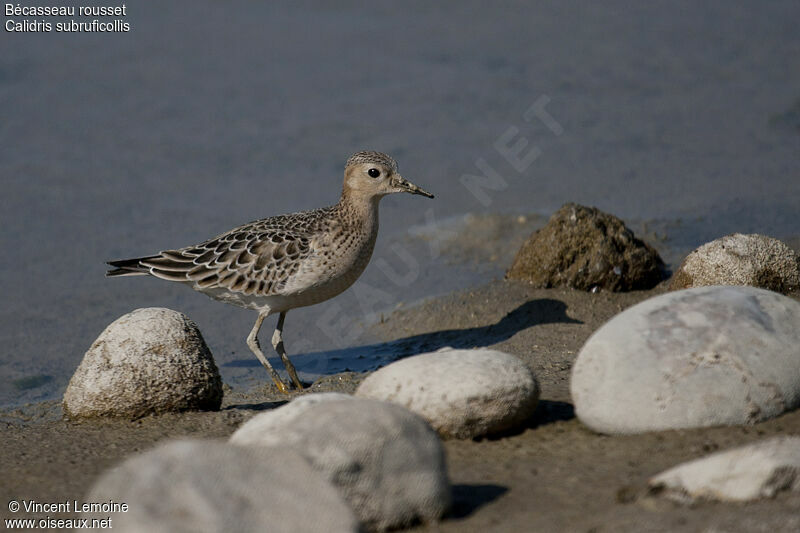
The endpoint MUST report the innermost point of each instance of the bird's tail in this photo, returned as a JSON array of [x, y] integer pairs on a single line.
[[129, 267]]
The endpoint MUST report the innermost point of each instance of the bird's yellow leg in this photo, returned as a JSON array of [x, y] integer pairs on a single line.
[[277, 343], [252, 342]]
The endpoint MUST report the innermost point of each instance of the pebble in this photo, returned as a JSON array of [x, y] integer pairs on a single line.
[[461, 393], [738, 259], [150, 360], [752, 472]]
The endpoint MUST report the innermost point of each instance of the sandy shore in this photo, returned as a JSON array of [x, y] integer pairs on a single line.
[[555, 475]]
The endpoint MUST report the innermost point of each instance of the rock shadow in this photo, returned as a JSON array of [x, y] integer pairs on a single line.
[[547, 412], [260, 406], [469, 498]]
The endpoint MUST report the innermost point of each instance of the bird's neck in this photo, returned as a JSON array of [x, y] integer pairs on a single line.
[[360, 211]]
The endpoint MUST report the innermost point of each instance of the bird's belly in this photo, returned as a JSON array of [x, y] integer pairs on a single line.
[[322, 278], [318, 287], [257, 302]]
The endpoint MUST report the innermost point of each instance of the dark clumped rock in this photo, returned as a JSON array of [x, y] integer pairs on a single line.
[[584, 248], [755, 260]]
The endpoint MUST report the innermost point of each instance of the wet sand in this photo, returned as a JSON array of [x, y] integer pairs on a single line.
[[553, 475]]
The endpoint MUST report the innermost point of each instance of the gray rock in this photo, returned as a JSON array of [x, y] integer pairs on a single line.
[[260, 427], [461, 393], [759, 470], [584, 248], [739, 259], [210, 486], [387, 462], [151, 360], [693, 358]]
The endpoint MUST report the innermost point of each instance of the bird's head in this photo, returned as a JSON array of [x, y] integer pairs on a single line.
[[374, 175]]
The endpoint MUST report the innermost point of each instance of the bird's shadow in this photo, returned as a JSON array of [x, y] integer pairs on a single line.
[[372, 356]]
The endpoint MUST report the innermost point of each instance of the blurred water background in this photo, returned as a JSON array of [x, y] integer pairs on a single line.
[[682, 118]]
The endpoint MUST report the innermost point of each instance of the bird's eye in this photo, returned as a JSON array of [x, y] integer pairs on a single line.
[[373, 172]]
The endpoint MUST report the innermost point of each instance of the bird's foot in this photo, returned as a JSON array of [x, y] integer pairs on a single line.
[[278, 381]]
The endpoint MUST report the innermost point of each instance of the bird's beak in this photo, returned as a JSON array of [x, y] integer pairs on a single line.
[[402, 185]]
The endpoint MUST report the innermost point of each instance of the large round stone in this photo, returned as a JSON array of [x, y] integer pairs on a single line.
[[698, 357], [386, 461], [151, 360], [738, 259], [461, 393], [208, 486]]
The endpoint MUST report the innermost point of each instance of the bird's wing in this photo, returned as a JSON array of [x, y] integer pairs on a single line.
[[257, 258]]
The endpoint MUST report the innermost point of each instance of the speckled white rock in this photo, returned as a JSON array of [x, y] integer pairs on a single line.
[[461, 393], [151, 360], [210, 486], [738, 259], [386, 461], [699, 357], [759, 470], [255, 430]]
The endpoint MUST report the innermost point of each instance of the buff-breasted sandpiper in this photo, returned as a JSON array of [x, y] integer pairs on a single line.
[[283, 262]]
